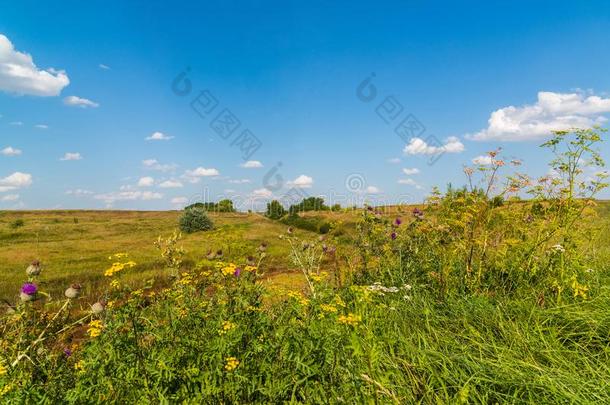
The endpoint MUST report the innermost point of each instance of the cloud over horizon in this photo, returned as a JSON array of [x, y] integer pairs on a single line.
[[552, 111]]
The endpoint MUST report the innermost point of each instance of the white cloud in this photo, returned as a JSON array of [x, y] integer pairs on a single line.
[[17, 123], [194, 176], [71, 156], [394, 161], [552, 111], [75, 101], [110, 198], [372, 190], [41, 126], [104, 67], [153, 164], [10, 151], [302, 181], [19, 74], [15, 181], [159, 136], [79, 192], [251, 164], [239, 181], [10, 197], [171, 184], [179, 200], [409, 172], [482, 160], [418, 146], [261, 193], [409, 182], [146, 181]]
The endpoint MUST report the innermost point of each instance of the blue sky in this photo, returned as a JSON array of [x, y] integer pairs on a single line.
[[82, 87]]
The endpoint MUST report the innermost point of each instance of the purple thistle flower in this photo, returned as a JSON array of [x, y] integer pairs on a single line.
[[67, 352], [29, 289], [393, 235], [397, 221], [237, 272], [417, 213]]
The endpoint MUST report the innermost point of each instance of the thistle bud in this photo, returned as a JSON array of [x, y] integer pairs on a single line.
[[73, 291], [33, 269], [97, 308]]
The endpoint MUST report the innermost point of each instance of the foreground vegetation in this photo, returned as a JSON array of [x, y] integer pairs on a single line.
[[470, 299]]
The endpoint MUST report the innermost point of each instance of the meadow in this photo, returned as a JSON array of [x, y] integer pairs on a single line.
[[474, 297]]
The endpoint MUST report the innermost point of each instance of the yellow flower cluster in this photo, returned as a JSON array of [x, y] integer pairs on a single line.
[[4, 390], [580, 290], [250, 269], [298, 297], [226, 327], [349, 319], [115, 285], [328, 308], [231, 363], [117, 267], [95, 328], [229, 269], [3, 369], [186, 279], [319, 277], [79, 366]]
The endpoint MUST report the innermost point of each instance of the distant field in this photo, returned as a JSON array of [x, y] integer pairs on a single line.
[[74, 245]]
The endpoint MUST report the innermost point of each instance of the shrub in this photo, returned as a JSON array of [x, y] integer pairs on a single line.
[[312, 224], [195, 220], [18, 223]]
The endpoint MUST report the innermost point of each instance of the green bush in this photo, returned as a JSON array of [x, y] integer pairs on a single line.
[[312, 224], [18, 223], [195, 220]]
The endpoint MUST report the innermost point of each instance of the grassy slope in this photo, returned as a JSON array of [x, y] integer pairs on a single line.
[[74, 245]]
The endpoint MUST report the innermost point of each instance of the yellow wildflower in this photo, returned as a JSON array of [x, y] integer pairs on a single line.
[[79, 366], [95, 328], [4, 390], [3, 369], [226, 327], [298, 297], [229, 269], [349, 319], [250, 269], [328, 308], [231, 363]]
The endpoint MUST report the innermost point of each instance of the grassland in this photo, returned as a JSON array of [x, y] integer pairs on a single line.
[[74, 245], [340, 345]]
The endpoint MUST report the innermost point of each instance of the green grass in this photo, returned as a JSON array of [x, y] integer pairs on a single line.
[[460, 349]]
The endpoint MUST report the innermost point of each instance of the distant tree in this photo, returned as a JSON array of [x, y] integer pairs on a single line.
[[275, 210], [221, 206], [336, 207], [225, 206], [309, 204]]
